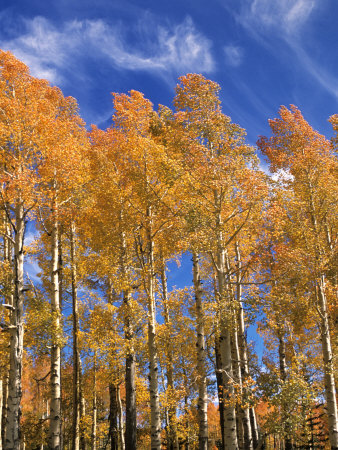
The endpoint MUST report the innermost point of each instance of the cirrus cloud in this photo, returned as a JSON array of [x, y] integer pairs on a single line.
[[51, 50]]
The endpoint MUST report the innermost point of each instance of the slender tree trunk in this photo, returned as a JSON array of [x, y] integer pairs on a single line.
[[230, 433], [155, 424], [94, 418], [83, 442], [239, 391], [4, 407], [187, 424], [12, 440], [8, 251], [113, 412], [235, 355], [172, 440], [254, 427], [55, 404], [330, 390], [243, 354], [130, 370], [130, 431], [60, 275], [219, 386], [76, 352], [120, 416], [202, 405], [282, 371]]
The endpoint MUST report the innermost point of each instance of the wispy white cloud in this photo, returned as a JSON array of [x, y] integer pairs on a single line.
[[287, 20], [233, 55], [284, 16], [50, 51]]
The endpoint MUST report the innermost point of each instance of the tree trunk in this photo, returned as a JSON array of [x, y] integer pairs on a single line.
[[219, 386], [94, 418], [283, 376], [12, 440], [235, 355], [155, 419], [9, 300], [82, 401], [130, 369], [330, 390], [130, 431], [113, 411], [243, 354], [4, 408], [76, 352], [120, 416], [55, 404], [202, 405], [230, 433], [172, 440], [239, 391], [254, 427]]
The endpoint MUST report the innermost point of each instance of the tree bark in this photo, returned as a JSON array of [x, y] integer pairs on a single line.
[[230, 433], [219, 386], [113, 412], [12, 440], [83, 442], [243, 354], [4, 407], [155, 424], [254, 427], [330, 390], [130, 370], [283, 375], [76, 352], [172, 440], [94, 417], [55, 404], [8, 252], [202, 405], [120, 416]]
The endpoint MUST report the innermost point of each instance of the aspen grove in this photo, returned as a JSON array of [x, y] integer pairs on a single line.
[[99, 349]]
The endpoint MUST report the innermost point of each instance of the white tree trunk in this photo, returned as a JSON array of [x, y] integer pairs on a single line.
[[172, 439], [55, 371], [94, 416], [120, 416], [12, 440], [202, 404], [130, 368], [76, 352], [330, 390], [229, 424], [243, 354], [155, 418]]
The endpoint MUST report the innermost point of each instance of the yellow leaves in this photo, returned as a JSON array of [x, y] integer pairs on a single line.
[[132, 112]]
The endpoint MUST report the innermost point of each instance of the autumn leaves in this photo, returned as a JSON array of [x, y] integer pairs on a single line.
[[113, 207]]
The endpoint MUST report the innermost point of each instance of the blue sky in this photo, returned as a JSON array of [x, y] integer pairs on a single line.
[[263, 53]]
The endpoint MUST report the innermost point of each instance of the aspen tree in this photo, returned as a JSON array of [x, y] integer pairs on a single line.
[[62, 177], [110, 193], [218, 163], [24, 129], [309, 163], [147, 165]]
